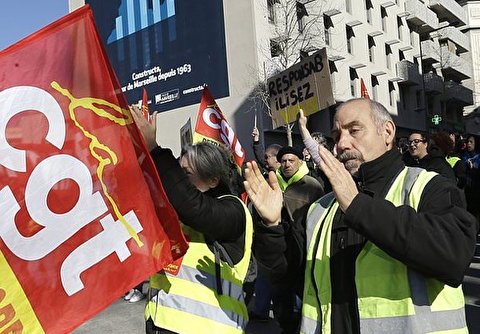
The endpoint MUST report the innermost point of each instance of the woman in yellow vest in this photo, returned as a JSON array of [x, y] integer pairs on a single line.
[[201, 292]]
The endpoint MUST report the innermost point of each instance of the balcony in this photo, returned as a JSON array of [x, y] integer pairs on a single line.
[[408, 74], [420, 15], [448, 10], [456, 36], [430, 52], [433, 83], [458, 92], [454, 66]]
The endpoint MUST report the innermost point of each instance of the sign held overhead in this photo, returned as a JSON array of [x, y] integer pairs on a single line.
[[305, 85]]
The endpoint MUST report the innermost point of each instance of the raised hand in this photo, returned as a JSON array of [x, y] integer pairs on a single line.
[[146, 129], [343, 185], [266, 197], [302, 119], [255, 134]]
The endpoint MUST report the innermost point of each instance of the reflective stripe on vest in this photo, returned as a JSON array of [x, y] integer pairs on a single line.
[[310, 326], [191, 301], [209, 280], [422, 319], [204, 310]]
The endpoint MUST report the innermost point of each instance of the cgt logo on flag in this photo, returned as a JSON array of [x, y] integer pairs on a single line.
[[78, 215], [213, 126], [54, 169]]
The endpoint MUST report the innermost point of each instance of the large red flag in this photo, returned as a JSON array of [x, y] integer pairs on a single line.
[[213, 126], [363, 90], [78, 216]]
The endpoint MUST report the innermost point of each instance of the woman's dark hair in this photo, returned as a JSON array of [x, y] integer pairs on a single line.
[[210, 161], [443, 141]]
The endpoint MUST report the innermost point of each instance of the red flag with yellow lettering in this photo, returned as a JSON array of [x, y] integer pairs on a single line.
[[213, 126], [79, 195]]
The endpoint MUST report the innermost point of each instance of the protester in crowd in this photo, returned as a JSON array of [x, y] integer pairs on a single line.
[[312, 168], [427, 156], [444, 143], [311, 142], [205, 295], [299, 191], [459, 144], [471, 160], [402, 145], [386, 251], [267, 159], [135, 294]]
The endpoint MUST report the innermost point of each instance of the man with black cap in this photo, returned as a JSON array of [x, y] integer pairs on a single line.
[[299, 191]]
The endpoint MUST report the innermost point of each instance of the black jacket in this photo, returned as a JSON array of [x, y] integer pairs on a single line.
[[221, 220], [438, 241], [435, 162]]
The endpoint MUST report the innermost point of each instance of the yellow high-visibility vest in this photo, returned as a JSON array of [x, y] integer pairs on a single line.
[[391, 297], [206, 294], [452, 161]]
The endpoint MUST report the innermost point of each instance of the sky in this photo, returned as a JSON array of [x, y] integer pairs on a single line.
[[20, 18]]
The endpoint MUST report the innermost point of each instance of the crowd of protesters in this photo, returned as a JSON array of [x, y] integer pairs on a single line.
[[359, 233], [368, 266], [453, 155]]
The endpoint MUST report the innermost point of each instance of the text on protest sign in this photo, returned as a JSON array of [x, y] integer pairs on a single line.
[[305, 85]]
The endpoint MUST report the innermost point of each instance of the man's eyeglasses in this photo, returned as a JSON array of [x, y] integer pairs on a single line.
[[415, 141]]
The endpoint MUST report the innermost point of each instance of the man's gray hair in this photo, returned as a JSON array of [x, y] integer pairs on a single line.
[[378, 112], [274, 148]]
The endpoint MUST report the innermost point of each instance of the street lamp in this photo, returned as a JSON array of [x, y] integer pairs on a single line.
[[425, 102]]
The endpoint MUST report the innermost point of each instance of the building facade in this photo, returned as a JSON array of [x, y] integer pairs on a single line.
[[472, 30], [412, 55]]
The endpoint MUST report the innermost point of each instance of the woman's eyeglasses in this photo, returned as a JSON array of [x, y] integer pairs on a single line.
[[415, 141]]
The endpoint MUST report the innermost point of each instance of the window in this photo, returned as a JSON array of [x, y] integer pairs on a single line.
[[430, 101], [271, 10], [301, 13], [418, 97], [348, 6], [327, 24], [404, 96], [415, 61], [353, 82], [383, 13], [388, 56], [371, 49], [391, 93], [412, 37], [350, 36], [275, 48], [333, 71], [374, 87], [400, 28], [401, 55], [369, 9]]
